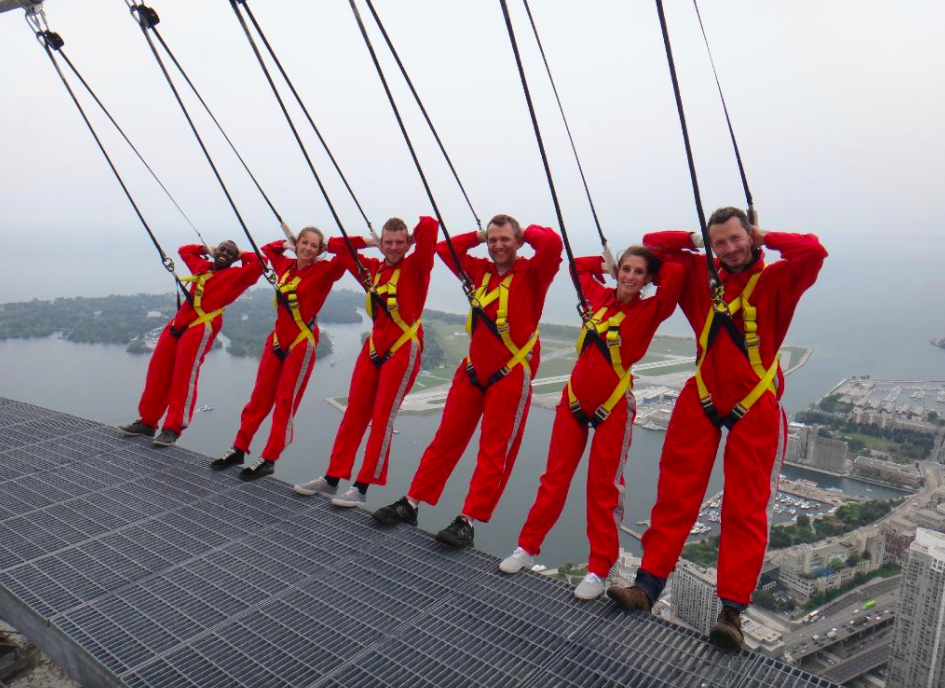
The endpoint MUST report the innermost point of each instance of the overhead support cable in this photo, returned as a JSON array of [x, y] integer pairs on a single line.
[[749, 201], [468, 286], [52, 42], [577, 159], [715, 283], [423, 110], [362, 272], [583, 307]]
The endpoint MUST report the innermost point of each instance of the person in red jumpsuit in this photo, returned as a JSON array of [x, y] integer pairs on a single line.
[[739, 385], [494, 381], [288, 356], [174, 370], [389, 360], [600, 394]]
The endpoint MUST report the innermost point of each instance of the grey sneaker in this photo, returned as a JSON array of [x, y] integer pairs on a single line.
[[590, 588], [314, 487], [167, 438], [139, 427], [352, 497], [516, 561]]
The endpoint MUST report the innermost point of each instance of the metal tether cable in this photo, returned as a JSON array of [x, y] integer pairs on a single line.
[[583, 308], [147, 18], [51, 43], [298, 99], [132, 146], [423, 110], [715, 283], [577, 159], [752, 215], [334, 213], [468, 286]]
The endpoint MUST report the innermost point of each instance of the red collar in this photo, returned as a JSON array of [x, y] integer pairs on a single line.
[[757, 266]]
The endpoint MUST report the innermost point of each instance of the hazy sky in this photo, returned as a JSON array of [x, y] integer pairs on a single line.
[[838, 107]]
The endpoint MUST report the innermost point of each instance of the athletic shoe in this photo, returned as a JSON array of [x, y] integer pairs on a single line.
[[457, 534], [726, 634], [399, 512], [314, 487], [258, 469], [630, 598], [167, 438], [590, 588], [516, 561], [232, 457], [139, 427], [352, 497]]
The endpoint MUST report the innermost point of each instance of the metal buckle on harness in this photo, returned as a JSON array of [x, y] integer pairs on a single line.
[[600, 415], [502, 324]]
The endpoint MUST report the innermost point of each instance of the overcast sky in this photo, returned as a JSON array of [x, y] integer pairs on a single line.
[[838, 107]]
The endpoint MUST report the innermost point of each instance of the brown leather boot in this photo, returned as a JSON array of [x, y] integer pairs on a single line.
[[726, 634], [631, 598]]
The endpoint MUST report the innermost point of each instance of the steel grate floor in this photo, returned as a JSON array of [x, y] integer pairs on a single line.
[[142, 568]]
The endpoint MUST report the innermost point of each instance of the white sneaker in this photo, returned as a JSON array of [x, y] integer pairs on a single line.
[[314, 487], [516, 561], [352, 497], [591, 587]]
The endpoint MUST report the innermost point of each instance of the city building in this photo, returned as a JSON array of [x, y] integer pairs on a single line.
[[897, 544], [695, 598], [903, 474], [932, 519], [938, 497], [918, 655], [624, 570], [806, 447], [895, 421]]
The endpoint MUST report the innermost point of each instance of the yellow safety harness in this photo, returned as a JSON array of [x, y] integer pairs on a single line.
[[500, 327], [750, 344], [290, 296], [607, 334], [202, 316], [387, 293]]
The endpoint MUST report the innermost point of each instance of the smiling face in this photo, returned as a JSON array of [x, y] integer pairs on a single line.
[[632, 275], [503, 243], [308, 245], [731, 242], [394, 244], [224, 255]]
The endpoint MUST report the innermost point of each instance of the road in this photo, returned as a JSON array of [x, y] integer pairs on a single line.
[[874, 656]]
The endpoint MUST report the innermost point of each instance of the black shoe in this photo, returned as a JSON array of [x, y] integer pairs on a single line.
[[457, 534], [232, 457], [630, 598], [139, 427], [167, 438], [726, 634], [398, 512], [258, 469]]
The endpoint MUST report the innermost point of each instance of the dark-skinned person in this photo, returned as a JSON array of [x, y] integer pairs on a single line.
[[170, 389], [599, 396], [389, 360], [738, 386], [493, 383], [288, 355]]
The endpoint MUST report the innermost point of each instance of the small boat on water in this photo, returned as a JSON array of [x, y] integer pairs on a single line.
[[205, 407]]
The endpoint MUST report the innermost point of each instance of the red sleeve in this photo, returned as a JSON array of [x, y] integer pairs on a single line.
[[548, 247], [424, 243], [462, 243], [671, 245], [669, 280], [275, 252], [250, 270], [339, 247], [802, 257], [591, 273], [192, 255], [336, 268]]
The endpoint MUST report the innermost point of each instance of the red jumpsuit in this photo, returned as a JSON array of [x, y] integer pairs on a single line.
[[283, 376], [504, 405], [377, 391], [593, 380], [754, 448], [171, 384]]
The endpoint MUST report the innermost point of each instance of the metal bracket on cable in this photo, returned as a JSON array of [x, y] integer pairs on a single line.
[[28, 5]]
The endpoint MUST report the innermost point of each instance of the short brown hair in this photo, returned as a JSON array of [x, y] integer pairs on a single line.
[[653, 262], [723, 215], [312, 230], [395, 224], [501, 220]]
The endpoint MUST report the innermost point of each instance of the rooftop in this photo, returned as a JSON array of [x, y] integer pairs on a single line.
[[134, 567]]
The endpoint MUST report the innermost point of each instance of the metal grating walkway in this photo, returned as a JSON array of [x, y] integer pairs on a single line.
[[136, 567]]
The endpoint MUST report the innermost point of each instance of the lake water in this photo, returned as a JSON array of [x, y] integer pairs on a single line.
[[855, 323]]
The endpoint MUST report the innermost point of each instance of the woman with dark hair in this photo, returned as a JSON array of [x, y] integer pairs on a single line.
[[600, 394], [289, 352]]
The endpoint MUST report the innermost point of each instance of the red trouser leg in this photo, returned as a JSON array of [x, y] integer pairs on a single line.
[[460, 416], [605, 485], [293, 379], [568, 440], [685, 466], [157, 385], [754, 451], [262, 398], [192, 348], [364, 381], [395, 380], [504, 414]]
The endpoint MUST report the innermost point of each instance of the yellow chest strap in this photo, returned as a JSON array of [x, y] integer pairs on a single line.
[[609, 331], [289, 291], [202, 317], [409, 333], [483, 298]]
